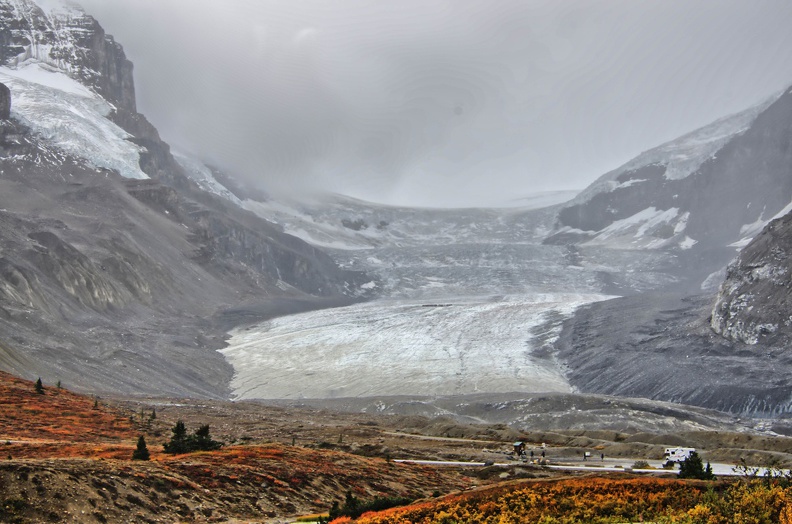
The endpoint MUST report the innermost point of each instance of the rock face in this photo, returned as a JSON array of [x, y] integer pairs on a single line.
[[754, 303], [5, 102], [116, 284], [70, 41]]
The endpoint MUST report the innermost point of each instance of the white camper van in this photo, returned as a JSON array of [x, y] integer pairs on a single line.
[[677, 454]]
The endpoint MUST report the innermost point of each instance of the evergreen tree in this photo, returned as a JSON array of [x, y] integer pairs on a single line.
[[142, 452], [178, 442], [693, 468], [199, 441], [202, 441], [351, 504], [335, 510], [39, 387]]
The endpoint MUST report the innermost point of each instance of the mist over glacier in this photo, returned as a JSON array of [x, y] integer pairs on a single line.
[[438, 103]]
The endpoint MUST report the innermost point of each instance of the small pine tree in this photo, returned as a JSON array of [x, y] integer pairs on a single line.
[[153, 414], [39, 387], [693, 468], [59, 385], [335, 510], [198, 441], [178, 441], [141, 452], [202, 441], [351, 504]]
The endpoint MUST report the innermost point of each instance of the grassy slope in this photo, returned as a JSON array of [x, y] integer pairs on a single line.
[[64, 459]]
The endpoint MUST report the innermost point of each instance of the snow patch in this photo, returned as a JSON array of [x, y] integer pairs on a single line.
[[687, 243], [628, 183], [642, 230], [203, 176]]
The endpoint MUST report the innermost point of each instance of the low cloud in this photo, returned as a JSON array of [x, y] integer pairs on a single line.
[[441, 102]]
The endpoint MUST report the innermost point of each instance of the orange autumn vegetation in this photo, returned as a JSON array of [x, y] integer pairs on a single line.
[[604, 501], [265, 479], [57, 415]]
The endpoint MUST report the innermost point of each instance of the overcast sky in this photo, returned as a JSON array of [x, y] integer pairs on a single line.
[[442, 102]]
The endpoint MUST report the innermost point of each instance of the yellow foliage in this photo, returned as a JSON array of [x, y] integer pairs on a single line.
[[604, 501]]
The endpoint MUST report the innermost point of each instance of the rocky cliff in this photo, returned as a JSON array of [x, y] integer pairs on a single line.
[[68, 40]]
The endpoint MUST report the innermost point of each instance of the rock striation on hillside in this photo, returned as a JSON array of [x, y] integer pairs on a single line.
[[118, 272]]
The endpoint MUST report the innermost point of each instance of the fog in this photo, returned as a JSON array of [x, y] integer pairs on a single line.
[[442, 102]]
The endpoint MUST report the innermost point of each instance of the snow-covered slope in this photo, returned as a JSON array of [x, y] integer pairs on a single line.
[[344, 223], [203, 176], [709, 189], [683, 155]]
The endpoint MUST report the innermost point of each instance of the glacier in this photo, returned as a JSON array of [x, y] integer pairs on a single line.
[[469, 301], [71, 117], [397, 347]]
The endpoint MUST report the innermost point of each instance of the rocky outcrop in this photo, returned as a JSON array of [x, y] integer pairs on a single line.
[[5, 102], [754, 303]]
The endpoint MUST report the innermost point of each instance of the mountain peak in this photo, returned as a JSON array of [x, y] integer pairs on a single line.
[[61, 35]]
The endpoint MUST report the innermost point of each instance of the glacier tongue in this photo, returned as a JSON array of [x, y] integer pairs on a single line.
[[405, 348]]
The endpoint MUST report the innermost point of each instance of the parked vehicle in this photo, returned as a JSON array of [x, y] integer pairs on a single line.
[[677, 454]]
